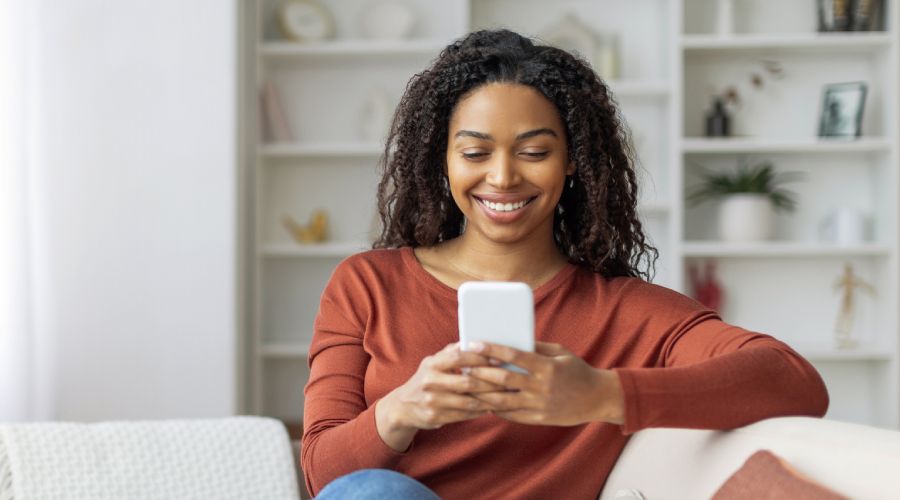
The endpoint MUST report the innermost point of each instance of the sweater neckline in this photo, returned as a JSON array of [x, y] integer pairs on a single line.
[[415, 267]]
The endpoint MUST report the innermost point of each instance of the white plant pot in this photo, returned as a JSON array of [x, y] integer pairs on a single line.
[[746, 217]]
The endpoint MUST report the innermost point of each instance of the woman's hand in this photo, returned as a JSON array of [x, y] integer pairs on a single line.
[[559, 388], [436, 395]]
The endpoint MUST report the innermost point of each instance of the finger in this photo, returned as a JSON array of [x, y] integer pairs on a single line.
[[550, 349], [457, 383], [436, 419], [444, 401], [451, 358], [505, 401], [501, 377], [526, 360]]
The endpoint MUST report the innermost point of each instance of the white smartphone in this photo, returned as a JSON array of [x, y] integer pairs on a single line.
[[500, 312]]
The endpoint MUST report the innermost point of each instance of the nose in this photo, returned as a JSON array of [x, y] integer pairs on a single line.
[[503, 172]]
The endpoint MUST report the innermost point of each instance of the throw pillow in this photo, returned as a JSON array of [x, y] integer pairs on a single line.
[[766, 476]]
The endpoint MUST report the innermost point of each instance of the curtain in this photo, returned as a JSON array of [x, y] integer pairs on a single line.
[[16, 349]]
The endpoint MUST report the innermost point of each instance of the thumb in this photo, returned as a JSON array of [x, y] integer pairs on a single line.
[[550, 349]]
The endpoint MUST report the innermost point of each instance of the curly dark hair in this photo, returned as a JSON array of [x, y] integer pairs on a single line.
[[596, 223]]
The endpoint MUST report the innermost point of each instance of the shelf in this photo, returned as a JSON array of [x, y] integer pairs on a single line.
[[738, 145], [860, 354], [639, 88], [284, 350], [322, 150], [819, 42], [782, 249], [661, 93], [654, 207], [352, 48], [321, 250]]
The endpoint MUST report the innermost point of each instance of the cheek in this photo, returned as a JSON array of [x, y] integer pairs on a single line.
[[460, 178], [550, 178]]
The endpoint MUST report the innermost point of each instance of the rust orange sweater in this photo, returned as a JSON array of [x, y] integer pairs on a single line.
[[680, 366]]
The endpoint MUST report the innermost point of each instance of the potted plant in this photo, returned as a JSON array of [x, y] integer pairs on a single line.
[[749, 199]]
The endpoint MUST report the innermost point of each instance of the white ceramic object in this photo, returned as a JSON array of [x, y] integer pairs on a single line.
[[844, 226], [387, 21], [746, 217]]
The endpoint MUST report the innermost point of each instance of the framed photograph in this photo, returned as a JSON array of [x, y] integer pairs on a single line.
[[842, 110]]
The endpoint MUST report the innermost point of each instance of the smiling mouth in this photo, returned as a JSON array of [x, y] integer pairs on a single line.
[[505, 207]]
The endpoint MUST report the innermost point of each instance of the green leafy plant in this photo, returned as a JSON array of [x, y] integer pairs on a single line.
[[759, 178]]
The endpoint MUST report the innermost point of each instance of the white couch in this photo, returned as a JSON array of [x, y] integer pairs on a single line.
[[251, 458], [854, 460]]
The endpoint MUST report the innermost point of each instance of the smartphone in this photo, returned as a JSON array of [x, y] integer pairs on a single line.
[[500, 312]]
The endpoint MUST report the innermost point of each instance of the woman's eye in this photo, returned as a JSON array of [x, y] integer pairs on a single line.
[[473, 156], [538, 154]]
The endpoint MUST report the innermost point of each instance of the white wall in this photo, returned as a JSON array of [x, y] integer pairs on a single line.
[[135, 208]]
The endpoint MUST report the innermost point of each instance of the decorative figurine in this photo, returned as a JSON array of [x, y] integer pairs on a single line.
[[707, 290], [314, 232], [844, 325]]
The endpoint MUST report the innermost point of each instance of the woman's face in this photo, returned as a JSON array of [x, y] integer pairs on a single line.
[[507, 162]]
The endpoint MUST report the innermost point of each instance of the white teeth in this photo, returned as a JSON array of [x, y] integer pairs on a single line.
[[504, 207]]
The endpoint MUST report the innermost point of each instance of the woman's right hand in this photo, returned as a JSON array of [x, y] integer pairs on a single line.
[[436, 395]]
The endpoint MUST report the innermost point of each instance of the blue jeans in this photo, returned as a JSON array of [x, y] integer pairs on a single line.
[[376, 484]]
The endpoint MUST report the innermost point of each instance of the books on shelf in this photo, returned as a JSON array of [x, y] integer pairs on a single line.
[[274, 122]]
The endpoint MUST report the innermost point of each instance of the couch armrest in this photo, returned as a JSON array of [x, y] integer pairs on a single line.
[[856, 460]]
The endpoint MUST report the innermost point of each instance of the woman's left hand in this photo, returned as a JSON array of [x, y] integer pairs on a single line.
[[559, 389]]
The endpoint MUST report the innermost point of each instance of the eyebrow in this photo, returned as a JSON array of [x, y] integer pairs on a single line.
[[522, 136]]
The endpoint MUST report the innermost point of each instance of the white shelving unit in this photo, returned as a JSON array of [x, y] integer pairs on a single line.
[[672, 59]]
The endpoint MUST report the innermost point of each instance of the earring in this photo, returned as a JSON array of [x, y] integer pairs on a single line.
[[571, 181]]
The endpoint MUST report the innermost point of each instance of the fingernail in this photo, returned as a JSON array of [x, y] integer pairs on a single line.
[[476, 346], [495, 362]]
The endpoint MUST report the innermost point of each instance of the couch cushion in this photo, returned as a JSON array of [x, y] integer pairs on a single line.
[[6, 491], [237, 458], [764, 475], [855, 460]]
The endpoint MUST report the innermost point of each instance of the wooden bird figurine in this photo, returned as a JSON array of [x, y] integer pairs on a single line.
[[314, 232]]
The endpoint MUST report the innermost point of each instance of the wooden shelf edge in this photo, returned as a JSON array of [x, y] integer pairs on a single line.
[[321, 149], [316, 250], [733, 145], [848, 355], [352, 47], [788, 41], [782, 249]]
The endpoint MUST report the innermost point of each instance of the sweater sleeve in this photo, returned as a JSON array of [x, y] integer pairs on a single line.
[[340, 435], [713, 375]]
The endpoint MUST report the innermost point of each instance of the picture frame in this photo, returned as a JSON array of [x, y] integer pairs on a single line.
[[842, 109], [850, 15]]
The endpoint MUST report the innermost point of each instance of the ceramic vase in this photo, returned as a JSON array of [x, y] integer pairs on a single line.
[[746, 217]]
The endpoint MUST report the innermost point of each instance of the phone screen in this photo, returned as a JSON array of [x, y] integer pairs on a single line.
[[499, 312]]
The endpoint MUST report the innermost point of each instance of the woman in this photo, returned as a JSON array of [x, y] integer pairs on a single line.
[[508, 161]]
